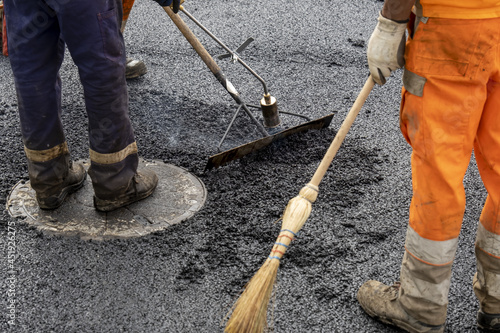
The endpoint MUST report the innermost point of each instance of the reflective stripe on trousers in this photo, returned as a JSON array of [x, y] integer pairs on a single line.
[[487, 279], [425, 277]]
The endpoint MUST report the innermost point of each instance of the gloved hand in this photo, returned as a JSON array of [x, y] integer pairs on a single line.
[[386, 48], [175, 4]]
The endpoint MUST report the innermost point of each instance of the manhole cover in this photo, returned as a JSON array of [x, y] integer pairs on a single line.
[[178, 196]]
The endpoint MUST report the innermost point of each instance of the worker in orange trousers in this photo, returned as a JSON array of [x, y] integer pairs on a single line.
[[450, 108]]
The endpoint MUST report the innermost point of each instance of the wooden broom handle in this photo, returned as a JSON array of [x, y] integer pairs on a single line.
[[341, 134]]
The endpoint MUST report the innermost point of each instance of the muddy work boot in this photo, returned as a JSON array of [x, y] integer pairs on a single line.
[[54, 198], [134, 68], [381, 302], [488, 322], [141, 186]]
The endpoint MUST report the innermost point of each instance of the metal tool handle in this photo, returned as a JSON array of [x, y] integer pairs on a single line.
[[196, 44], [230, 52], [341, 134], [211, 64]]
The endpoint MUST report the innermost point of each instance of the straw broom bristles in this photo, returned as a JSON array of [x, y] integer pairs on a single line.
[[250, 310]]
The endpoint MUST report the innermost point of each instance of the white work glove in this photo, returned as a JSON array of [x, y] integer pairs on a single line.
[[386, 48]]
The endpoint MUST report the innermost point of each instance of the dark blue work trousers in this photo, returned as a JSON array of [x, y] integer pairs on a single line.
[[38, 31]]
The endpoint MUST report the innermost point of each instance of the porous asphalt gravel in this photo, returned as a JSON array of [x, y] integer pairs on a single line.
[[185, 278]]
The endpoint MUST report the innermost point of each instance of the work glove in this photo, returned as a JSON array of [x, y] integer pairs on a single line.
[[175, 4], [386, 48]]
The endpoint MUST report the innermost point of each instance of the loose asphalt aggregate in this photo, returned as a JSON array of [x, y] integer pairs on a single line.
[[185, 278]]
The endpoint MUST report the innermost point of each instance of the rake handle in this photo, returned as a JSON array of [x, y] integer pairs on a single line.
[[191, 38], [211, 64], [341, 134]]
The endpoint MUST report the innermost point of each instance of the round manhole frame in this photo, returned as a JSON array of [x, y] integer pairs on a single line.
[[178, 196]]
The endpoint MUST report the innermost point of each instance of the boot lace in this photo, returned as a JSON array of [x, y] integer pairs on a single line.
[[393, 290]]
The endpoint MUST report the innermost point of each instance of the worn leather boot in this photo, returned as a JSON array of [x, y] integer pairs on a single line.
[[54, 197], [489, 322], [382, 302], [134, 68], [486, 281], [141, 186]]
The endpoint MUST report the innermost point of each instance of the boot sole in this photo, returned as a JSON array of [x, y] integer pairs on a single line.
[[404, 325], [62, 196]]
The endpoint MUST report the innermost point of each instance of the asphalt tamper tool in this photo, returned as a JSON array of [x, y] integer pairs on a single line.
[[249, 314], [271, 127]]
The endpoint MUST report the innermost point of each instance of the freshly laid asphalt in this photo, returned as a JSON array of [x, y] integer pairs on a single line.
[[185, 278]]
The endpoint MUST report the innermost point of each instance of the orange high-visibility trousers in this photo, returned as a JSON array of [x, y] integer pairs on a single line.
[[459, 110], [127, 7], [4, 35], [451, 107]]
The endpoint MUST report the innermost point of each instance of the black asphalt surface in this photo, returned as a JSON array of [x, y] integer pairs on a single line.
[[185, 278]]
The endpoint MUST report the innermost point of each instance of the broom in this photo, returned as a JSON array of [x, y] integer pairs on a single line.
[[250, 310]]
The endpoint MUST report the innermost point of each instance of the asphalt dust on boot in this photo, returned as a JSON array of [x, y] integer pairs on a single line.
[[381, 302]]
